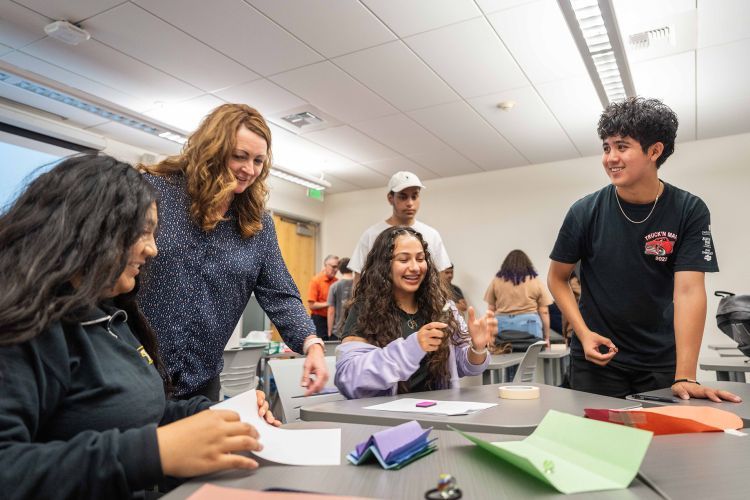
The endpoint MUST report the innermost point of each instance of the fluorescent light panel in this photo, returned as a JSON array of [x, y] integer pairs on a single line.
[[41, 90], [594, 28], [299, 178], [121, 118]]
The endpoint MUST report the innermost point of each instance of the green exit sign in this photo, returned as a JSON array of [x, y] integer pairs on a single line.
[[315, 194]]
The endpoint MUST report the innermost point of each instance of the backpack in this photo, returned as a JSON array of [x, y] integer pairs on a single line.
[[733, 318]]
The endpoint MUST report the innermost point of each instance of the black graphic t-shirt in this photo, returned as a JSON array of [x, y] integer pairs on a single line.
[[627, 269]]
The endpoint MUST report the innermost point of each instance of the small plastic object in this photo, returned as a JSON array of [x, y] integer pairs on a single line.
[[447, 489]]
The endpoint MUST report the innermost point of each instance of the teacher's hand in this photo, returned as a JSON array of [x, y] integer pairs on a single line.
[[315, 364]]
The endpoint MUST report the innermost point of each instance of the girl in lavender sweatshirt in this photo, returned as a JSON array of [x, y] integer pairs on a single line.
[[400, 334]]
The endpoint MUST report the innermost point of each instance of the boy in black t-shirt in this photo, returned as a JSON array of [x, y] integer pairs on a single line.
[[644, 246]]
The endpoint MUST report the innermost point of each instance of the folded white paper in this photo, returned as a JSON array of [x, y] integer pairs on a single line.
[[439, 408], [286, 446]]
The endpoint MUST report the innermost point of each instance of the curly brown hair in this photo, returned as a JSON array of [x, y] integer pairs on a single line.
[[379, 320], [210, 182]]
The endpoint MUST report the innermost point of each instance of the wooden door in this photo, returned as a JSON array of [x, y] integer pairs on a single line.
[[298, 251]]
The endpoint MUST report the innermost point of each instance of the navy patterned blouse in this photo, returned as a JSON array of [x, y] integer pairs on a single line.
[[196, 289]]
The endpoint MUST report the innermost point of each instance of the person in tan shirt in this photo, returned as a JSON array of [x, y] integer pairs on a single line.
[[518, 298]]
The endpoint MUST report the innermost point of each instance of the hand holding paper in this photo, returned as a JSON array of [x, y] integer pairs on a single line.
[[285, 446]]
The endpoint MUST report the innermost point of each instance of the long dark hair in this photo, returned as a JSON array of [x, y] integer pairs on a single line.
[[516, 268], [379, 321], [65, 241]]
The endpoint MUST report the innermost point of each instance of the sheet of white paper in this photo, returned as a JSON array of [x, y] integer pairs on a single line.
[[286, 446], [440, 408]]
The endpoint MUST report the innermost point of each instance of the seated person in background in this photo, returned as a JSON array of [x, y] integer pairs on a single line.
[[456, 294], [83, 412], [398, 335], [519, 300], [338, 296]]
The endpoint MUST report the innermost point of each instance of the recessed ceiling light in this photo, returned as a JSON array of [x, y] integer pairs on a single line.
[[506, 105]]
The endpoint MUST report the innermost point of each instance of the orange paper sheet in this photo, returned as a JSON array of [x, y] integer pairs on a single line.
[[670, 419]]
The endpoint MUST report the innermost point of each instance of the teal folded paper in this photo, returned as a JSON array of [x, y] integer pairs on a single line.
[[395, 447], [574, 454]]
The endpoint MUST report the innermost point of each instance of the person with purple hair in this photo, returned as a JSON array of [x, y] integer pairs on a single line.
[[518, 298]]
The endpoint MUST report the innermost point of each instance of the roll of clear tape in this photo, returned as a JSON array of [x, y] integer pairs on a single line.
[[518, 392]]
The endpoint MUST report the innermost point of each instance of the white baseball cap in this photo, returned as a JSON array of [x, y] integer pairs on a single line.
[[403, 180]]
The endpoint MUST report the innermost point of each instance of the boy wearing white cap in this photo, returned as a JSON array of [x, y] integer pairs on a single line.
[[403, 196]]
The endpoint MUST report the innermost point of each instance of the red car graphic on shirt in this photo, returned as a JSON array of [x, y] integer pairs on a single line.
[[659, 246]]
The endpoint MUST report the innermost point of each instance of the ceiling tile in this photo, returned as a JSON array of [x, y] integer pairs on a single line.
[[352, 144], [69, 10], [185, 115], [300, 154], [236, 29], [392, 165], [330, 27], [162, 46], [726, 22], [334, 92], [576, 105], [416, 16], [263, 95], [135, 137], [463, 129], [109, 67], [20, 26], [397, 74], [539, 39], [529, 126], [4, 49], [400, 133], [489, 6], [722, 96], [360, 175], [341, 186], [72, 80], [470, 57], [671, 79], [446, 162]]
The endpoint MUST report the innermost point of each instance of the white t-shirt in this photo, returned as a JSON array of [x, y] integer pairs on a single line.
[[431, 236]]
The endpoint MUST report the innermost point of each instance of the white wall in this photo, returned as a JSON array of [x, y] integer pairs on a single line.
[[483, 216]]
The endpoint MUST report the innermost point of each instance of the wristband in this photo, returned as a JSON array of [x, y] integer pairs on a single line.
[[485, 351], [311, 341], [677, 381]]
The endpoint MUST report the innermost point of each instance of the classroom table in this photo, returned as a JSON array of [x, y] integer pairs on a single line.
[[698, 466], [731, 353], [727, 368], [508, 417], [552, 361], [739, 388], [479, 474], [554, 364]]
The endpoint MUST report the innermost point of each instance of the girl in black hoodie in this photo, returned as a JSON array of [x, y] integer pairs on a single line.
[[83, 406]]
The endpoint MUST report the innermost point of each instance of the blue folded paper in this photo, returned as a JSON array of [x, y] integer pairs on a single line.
[[395, 447]]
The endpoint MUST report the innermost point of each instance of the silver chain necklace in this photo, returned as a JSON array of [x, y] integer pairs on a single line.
[[617, 198]]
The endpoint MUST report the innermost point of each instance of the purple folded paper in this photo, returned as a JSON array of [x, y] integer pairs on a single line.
[[390, 442]]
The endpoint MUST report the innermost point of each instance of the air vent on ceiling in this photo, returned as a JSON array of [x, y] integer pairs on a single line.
[[303, 119], [646, 39]]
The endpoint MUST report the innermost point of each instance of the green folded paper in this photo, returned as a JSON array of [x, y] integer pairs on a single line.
[[574, 454]]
